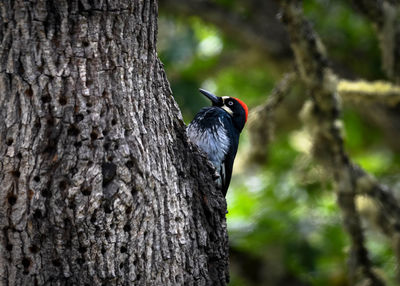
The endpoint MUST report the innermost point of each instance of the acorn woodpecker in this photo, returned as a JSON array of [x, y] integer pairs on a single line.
[[216, 129]]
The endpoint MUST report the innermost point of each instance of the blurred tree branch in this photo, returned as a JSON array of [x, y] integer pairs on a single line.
[[378, 91], [385, 15], [321, 113], [261, 124], [253, 24], [321, 116], [257, 27]]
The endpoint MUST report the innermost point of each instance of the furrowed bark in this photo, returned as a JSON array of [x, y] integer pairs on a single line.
[[98, 185]]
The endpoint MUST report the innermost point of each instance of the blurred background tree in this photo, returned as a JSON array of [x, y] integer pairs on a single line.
[[285, 226]]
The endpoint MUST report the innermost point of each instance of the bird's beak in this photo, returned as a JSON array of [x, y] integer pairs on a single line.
[[214, 99]]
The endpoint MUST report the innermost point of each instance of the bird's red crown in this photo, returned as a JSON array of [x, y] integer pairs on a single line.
[[243, 105]]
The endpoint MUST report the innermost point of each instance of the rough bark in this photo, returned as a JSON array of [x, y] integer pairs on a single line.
[[98, 185]]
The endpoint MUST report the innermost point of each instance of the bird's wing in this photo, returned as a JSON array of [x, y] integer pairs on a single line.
[[208, 131], [227, 163], [213, 132]]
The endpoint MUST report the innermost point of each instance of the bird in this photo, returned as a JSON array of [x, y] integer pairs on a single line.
[[216, 130]]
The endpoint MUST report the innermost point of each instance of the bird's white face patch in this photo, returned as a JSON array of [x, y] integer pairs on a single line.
[[225, 107]]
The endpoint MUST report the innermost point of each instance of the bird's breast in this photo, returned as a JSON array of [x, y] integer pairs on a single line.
[[208, 132]]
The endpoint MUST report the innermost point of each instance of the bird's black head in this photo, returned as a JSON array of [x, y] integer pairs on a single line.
[[234, 106]]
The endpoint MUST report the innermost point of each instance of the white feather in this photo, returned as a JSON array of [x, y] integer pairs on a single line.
[[213, 141]]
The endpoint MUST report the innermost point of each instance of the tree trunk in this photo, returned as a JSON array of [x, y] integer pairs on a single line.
[[98, 185]]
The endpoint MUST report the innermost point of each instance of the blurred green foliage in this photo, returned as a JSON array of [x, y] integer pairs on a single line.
[[285, 211], [348, 37]]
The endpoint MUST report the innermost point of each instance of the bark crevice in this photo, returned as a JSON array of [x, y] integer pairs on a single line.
[[98, 181]]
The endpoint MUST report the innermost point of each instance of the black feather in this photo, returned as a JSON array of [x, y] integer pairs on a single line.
[[215, 133]]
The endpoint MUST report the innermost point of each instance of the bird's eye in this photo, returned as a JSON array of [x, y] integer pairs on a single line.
[[230, 103]]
